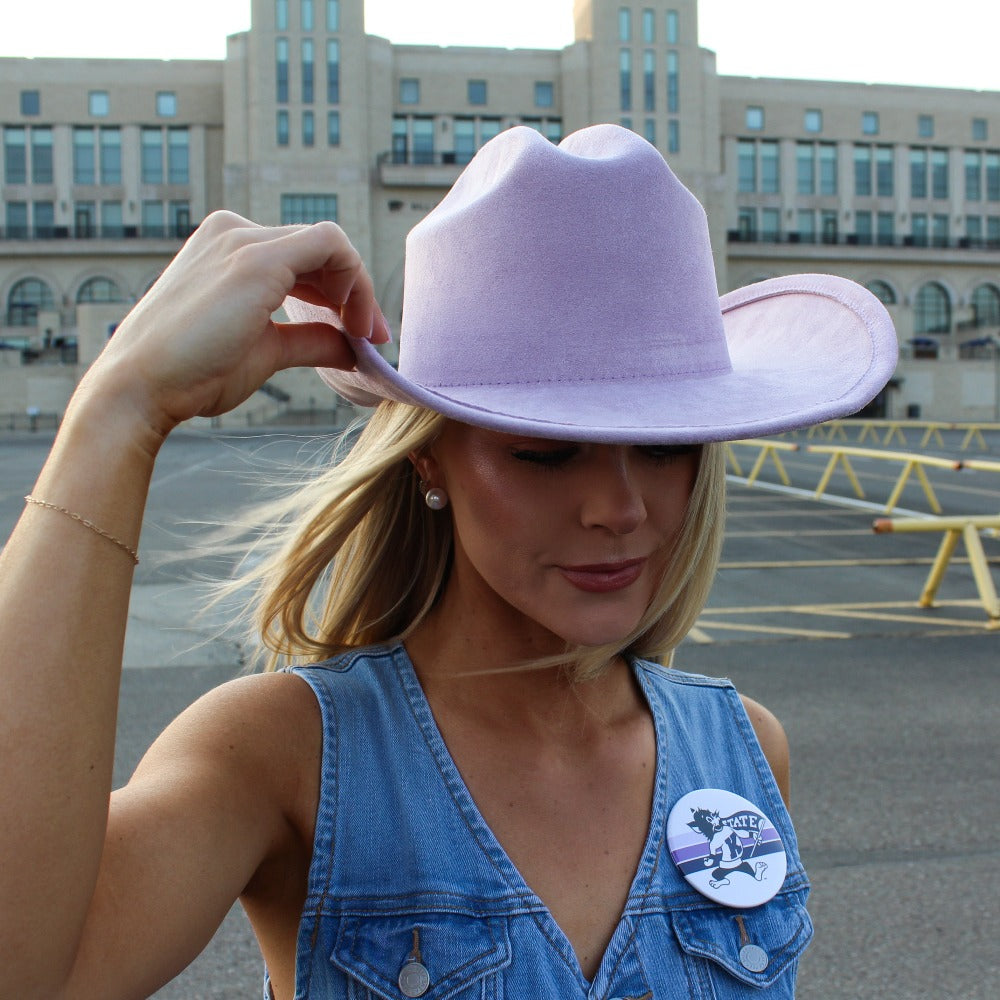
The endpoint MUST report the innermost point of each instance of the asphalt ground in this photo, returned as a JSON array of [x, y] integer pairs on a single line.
[[891, 709]]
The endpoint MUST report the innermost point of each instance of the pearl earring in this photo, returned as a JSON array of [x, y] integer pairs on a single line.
[[436, 499]]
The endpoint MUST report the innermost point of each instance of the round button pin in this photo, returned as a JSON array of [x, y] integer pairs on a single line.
[[414, 979], [726, 848]]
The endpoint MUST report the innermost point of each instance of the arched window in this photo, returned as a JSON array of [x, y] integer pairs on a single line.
[[882, 291], [27, 298], [933, 309], [986, 306], [99, 290]]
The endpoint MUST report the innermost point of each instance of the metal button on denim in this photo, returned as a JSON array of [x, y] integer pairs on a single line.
[[753, 958], [414, 980]]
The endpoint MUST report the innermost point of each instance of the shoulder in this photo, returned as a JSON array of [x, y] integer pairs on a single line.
[[773, 741]]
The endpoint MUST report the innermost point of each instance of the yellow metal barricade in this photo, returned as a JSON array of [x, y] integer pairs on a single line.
[[768, 450], [840, 454], [953, 528]]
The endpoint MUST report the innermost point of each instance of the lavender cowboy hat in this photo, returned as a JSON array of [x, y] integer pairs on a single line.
[[569, 292]]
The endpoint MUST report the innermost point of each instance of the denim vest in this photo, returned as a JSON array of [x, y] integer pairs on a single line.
[[405, 869]]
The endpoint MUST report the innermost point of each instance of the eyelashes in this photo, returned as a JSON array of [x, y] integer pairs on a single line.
[[554, 458]]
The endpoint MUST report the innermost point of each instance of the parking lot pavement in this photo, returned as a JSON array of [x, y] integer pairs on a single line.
[[890, 709]]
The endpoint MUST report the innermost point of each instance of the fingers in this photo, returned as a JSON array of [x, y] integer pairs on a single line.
[[313, 345]]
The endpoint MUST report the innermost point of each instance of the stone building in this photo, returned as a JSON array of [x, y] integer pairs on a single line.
[[108, 165]]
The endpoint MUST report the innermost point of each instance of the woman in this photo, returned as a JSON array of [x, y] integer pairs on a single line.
[[489, 791]]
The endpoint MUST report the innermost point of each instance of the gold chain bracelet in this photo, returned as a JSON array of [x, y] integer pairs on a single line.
[[87, 524]]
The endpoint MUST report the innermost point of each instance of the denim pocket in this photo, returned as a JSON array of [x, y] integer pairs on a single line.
[[732, 946], [463, 955]]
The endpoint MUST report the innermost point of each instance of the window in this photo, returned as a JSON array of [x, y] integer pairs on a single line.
[[625, 79], [84, 156], [307, 19], [553, 130], [333, 15], [973, 175], [673, 83], [180, 219], [940, 232], [281, 69], [465, 139], [111, 220], [41, 155], [648, 26], [986, 306], [624, 24], [423, 140], [925, 126], [166, 104], [882, 291], [978, 129], [308, 70], [918, 173], [544, 94], [933, 309], [813, 120], [151, 156], [16, 219], [918, 229], [885, 168], [939, 173], [333, 128], [99, 104], [409, 91], [673, 136], [305, 209], [863, 228], [26, 300], [31, 102], [828, 226], [400, 140], [178, 156], [649, 131], [15, 155], [805, 168], [770, 230], [477, 91], [308, 129], [99, 290], [746, 225], [993, 230], [281, 131], [974, 230], [152, 219], [85, 220], [754, 119], [746, 155], [886, 232], [490, 127], [869, 122], [44, 213], [673, 27], [769, 167], [827, 168], [806, 225], [992, 176], [281, 15], [333, 72], [649, 80], [111, 155], [862, 171]]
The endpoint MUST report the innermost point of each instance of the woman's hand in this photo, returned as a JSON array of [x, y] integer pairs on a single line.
[[202, 340]]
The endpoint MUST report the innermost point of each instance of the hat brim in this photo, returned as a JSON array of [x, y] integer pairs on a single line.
[[804, 349]]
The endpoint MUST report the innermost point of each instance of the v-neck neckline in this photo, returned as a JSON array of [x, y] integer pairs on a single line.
[[489, 843]]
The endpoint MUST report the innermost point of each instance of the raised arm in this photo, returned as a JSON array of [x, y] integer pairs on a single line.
[[199, 343]]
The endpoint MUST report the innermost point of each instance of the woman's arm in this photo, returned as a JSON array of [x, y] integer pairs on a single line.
[[774, 743], [199, 343]]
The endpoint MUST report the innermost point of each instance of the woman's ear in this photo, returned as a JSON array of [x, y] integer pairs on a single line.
[[425, 465]]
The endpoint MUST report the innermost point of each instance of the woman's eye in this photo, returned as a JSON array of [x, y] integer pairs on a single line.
[[667, 452], [549, 457]]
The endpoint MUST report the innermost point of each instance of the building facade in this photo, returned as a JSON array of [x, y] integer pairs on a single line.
[[108, 165]]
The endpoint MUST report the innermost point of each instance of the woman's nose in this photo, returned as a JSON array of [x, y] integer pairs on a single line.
[[612, 497]]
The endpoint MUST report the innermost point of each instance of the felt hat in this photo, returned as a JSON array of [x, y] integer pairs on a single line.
[[569, 292]]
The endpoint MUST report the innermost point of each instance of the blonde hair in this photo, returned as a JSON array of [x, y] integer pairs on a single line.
[[355, 557]]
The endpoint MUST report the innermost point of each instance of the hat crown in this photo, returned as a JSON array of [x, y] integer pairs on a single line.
[[590, 257]]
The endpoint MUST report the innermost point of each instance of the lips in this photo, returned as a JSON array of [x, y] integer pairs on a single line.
[[601, 578]]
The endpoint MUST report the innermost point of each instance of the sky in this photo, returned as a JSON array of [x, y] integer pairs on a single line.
[[915, 42]]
